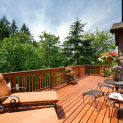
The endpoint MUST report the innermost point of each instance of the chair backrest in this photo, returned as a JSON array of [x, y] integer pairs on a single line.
[[4, 89], [121, 76]]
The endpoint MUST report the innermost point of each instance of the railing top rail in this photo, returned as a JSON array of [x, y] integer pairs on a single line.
[[101, 65], [10, 74]]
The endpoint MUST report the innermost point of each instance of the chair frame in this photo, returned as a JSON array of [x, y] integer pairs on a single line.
[[14, 103], [112, 103]]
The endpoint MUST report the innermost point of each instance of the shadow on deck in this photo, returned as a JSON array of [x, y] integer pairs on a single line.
[[72, 109]]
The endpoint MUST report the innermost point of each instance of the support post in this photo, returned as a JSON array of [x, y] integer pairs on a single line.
[[50, 79], [13, 84], [100, 70]]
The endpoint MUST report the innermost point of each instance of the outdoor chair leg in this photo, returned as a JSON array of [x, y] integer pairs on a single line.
[[95, 104]]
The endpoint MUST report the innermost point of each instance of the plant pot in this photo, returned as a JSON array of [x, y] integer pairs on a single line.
[[67, 73], [109, 59], [73, 81], [103, 75], [115, 78]]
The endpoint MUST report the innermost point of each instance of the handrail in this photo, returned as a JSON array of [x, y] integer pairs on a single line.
[[41, 79], [35, 80]]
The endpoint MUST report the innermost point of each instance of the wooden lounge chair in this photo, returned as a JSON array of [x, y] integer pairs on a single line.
[[8, 100], [44, 115]]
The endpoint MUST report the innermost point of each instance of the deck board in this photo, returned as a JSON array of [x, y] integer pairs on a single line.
[[71, 108]]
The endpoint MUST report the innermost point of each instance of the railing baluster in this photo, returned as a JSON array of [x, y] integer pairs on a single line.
[[47, 80], [22, 82], [37, 81], [50, 79], [19, 83], [32, 82], [29, 82], [26, 81], [59, 76], [40, 80], [56, 76]]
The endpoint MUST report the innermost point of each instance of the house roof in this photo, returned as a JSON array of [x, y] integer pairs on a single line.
[[117, 27]]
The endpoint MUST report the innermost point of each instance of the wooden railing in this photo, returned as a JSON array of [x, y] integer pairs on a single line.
[[37, 80], [95, 69]]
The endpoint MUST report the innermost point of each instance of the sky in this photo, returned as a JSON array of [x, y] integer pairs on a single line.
[[56, 16]]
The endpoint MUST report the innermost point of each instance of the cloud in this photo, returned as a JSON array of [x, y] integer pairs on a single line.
[[3, 9], [56, 16], [62, 31]]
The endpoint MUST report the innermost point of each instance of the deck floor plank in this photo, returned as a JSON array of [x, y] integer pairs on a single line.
[[71, 108]]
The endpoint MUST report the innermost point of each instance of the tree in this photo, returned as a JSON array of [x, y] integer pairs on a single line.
[[6, 22], [13, 27], [102, 42], [49, 49], [4, 28], [25, 29], [74, 45], [17, 56]]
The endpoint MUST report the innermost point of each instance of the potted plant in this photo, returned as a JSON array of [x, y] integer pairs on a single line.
[[68, 69], [72, 77], [105, 72], [67, 72], [73, 80], [110, 56], [115, 70]]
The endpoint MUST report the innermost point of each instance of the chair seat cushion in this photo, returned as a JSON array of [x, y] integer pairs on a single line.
[[4, 89], [33, 98], [116, 97], [44, 115]]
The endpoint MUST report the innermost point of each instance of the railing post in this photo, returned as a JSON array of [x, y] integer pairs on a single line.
[[85, 69], [100, 70], [50, 79], [13, 84], [78, 73]]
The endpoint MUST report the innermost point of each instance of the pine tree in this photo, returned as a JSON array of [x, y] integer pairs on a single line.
[[74, 46], [25, 29], [13, 27], [4, 28]]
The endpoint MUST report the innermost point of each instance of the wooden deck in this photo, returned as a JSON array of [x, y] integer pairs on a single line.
[[72, 110]]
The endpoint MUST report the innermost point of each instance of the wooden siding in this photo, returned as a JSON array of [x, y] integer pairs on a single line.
[[120, 49]]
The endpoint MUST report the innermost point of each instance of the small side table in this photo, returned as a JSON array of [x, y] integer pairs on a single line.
[[94, 93]]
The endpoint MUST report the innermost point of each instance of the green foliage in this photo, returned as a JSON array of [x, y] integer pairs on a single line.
[[49, 49], [19, 51], [13, 27], [74, 45], [25, 29], [4, 30], [102, 42], [16, 56]]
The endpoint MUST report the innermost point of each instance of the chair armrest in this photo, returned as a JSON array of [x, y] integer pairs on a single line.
[[12, 101], [19, 87], [1, 107]]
